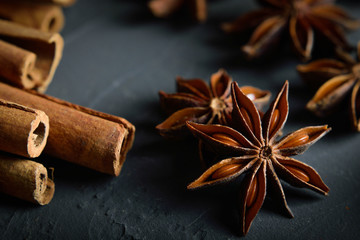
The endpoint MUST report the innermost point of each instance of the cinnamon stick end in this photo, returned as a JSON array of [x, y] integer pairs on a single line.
[[124, 146], [53, 20], [47, 196], [38, 134]]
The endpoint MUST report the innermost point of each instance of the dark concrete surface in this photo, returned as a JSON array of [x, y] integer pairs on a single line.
[[116, 59]]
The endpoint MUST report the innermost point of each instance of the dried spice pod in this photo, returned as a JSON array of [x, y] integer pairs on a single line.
[[355, 107], [23, 130], [318, 72], [259, 97], [25, 179], [28, 57], [47, 18], [166, 8], [196, 101], [343, 84], [303, 19], [256, 152], [331, 94], [79, 135]]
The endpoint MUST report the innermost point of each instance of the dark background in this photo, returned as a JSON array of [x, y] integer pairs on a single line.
[[116, 59]]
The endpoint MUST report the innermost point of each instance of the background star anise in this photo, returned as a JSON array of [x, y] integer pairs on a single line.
[[196, 101], [165, 8], [303, 18], [251, 147], [343, 80]]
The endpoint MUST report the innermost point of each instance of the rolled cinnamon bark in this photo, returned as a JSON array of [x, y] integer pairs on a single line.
[[45, 17], [28, 57], [80, 135], [64, 3], [25, 179], [23, 130], [164, 8]]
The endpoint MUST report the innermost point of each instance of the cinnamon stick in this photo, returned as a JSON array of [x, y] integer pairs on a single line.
[[164, 8], [25, 179], [23, 130], [77, 134], [64, 3], [28, 57], [45, 17]]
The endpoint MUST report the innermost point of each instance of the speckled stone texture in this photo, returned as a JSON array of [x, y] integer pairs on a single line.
[[116, 59]]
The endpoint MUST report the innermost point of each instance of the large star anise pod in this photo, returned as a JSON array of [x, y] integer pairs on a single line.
[[302, 18], [196, 101], [343, 80], [252, 148], [165, 8]]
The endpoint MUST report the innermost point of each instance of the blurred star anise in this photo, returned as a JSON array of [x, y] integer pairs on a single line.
[[251, 147], [343, 81], [165, 8], [196, 101], [303, 18]]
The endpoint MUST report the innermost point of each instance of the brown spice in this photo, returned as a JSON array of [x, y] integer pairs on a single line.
[[23, 130], [341, 80], [263, 157], [64, 3], [80, 135], [48, 18], [25, 179], [196, 101], [221, 137], [226, 171], [28, 57], [165, 8], [304, 19]]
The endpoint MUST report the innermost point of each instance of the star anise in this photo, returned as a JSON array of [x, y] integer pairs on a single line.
[[165, 8], [196, 101], [344, 81], [252, 148], [303, 18]]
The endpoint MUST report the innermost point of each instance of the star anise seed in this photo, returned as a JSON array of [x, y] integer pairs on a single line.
[[252, 148], [196, 101], [341, 80], [303, 18], [165, 8]]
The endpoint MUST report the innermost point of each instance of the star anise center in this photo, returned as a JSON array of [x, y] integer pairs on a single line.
[[356, 70], [217, 105], [300, 8], [265, 152]]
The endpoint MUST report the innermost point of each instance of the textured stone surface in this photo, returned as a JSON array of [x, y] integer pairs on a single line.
[[116, 59]]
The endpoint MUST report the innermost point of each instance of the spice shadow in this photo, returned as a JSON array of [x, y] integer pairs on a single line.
[[338, 121], [139, 14], [73, 175], [226, 215], [222, 200], [231, 57], [13, 203], [300, 196]]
